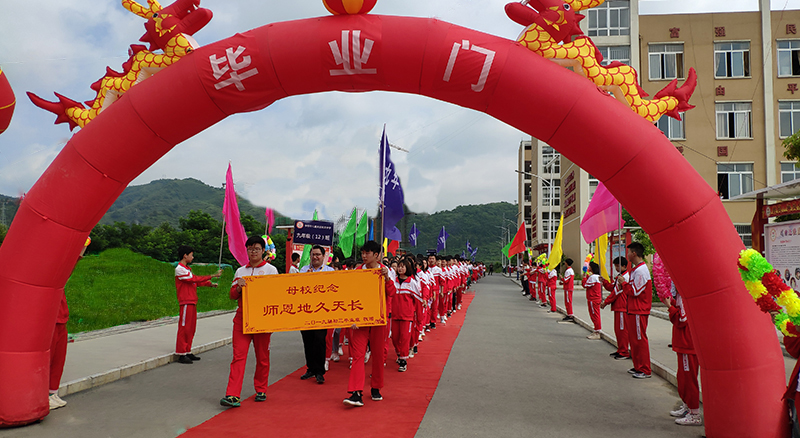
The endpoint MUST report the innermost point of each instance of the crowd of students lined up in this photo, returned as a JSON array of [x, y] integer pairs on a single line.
[[421, 292], [631, 299]]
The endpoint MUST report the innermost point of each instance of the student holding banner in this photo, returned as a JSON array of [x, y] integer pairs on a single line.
[[241, 342], [376, 336]]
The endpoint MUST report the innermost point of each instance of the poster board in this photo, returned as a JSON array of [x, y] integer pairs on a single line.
[[782, 250], [317, 300]]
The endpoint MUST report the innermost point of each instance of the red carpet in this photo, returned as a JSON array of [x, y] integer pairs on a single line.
[[296, 408]]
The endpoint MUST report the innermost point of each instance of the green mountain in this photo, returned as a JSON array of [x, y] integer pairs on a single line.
[[480, 224], [166, 200]]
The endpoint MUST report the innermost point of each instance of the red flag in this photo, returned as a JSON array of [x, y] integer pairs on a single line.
[[518, 244], [233, 226], [392, 247]]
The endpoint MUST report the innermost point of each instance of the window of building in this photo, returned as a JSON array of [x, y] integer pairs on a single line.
[[527, 145], [528, 211], [789, 58], [610, 19], [745, 233], [528, 168], [527, 192], [615, 53], [666, 61], [672, 128], [593, 183], [551, 160], [734, 119], [732, 60], [789, 172], [551, 195], [733, 179], [550, 225], [788, 117]]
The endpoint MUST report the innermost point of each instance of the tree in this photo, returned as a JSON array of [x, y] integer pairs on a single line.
[[638, 235]]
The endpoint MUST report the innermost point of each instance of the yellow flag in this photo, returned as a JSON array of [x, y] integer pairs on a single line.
[[601, 244], [556, 252], [385, 247]]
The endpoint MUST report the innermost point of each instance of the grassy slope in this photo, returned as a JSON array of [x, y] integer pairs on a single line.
[[119, 286]]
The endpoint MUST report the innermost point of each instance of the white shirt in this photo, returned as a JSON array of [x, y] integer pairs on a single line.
[[294, 270]]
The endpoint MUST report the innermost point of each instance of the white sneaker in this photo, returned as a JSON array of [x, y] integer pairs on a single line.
[[366, 356], [459, 307], [56, 402], [411, 353], [680, 412], [341, 353], [594, 336], [335, 357], [326, 364], [690, 420], [420, 337]]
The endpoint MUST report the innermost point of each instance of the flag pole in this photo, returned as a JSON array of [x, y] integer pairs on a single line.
[[383, 179]]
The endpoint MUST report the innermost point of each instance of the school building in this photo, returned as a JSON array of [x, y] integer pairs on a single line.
[[747, 101]]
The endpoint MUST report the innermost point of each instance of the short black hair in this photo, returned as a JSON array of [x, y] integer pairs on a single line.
[[371, 246], [594, 267], [569, 262], [319, 247], [637, 248], [622, 261], [295, 256], [183, 250], [252, 240]]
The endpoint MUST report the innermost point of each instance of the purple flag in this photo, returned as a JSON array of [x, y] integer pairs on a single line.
[[233, 226], [391, 193], [602, 216], [441, 244], [413, 236]]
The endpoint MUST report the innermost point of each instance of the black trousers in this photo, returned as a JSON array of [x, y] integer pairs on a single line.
[[314, 346]]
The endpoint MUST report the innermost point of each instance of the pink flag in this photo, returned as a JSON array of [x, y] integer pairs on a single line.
[[233, 226], [602, 216], [270, 220]]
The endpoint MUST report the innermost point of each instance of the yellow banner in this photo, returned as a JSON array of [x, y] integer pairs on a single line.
[[318, 300]]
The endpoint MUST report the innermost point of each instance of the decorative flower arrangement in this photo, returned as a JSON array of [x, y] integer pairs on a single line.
[[769, 292], [661, 279]]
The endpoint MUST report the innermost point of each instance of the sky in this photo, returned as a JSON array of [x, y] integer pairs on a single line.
[[301, 153]]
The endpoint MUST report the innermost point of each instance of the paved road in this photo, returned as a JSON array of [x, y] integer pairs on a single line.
[[513, 372]]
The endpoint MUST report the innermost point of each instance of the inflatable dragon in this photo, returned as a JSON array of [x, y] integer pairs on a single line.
[[169, 29], [549, 28]]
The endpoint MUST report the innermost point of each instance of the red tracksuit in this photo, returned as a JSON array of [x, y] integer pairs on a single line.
[[688, 366], [403, 308], [619, 305], [569, 285], [640, 300], [552, 278], [186, 287], [58, 345], [594, 295], [376, 336], [792, 345], [241, 341], [541, 282]]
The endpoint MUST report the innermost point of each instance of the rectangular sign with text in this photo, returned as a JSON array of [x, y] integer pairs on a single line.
[[319, 300], [313, 233]]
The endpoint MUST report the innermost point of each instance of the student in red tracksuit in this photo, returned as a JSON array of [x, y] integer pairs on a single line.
[[594, 295], [530, 273], [409, 292], [376, 336], [552, 279], [241, 342], [420, 307], [435, 271], [792, 394], [568, 282], [541, 283], [186, 286], [688, 366], [639, 290], [619, 305]]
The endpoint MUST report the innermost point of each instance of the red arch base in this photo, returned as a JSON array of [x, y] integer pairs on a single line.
[[743, 371]]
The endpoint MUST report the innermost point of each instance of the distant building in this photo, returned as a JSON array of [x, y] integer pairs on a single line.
[[732, 138]]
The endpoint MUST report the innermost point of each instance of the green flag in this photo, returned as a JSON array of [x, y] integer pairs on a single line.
[[305, 259], [363, 229], [347, 236]]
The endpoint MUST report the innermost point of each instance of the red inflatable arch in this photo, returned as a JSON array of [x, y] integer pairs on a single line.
[[743, 370]]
